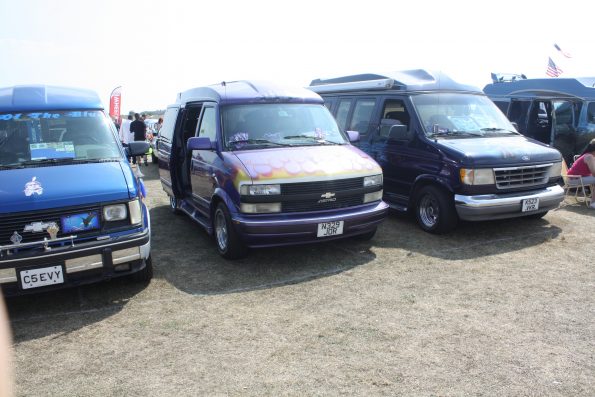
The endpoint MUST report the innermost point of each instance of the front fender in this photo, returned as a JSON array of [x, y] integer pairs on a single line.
[[424, 180], [221, 195]]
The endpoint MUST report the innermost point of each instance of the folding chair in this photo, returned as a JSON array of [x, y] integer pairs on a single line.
[[575, 183]]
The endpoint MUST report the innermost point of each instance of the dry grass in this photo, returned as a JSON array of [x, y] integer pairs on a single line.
[[499, 308]]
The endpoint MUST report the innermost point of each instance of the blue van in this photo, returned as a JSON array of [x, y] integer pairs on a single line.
[[71, 208], [446, 151], [261, 165], [559, 112]]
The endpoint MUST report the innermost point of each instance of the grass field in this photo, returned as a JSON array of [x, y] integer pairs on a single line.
[[495, 308]]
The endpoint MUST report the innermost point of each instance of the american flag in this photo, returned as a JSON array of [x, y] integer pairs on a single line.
[[557, 47], [552, 69]]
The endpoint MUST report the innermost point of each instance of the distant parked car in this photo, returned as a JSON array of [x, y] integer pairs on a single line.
[[152, 138], [71, 208], [559, 112]]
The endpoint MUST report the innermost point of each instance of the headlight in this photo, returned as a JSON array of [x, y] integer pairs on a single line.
[[373, 180], [260, 208], [375, 196], [555, 170], [114, 212], [481, 176], [135, 212], [260, 190]]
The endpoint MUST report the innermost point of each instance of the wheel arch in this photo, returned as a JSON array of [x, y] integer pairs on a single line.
[[426, 180]]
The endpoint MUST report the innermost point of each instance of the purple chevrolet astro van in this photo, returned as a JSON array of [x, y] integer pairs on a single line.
[[260, 165]]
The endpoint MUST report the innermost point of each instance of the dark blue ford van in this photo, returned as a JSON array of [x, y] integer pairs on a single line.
[[71, 208], [446, 150]]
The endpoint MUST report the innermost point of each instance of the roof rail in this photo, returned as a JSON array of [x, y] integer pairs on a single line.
[[377, 84]]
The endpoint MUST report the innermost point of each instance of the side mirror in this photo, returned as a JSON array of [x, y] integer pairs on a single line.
[[199, 143], [515, 125], [399, 133], [137, 148], [353, 136]]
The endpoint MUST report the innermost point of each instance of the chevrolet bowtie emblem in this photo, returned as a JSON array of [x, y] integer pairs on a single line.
[[37, 227], [327, 195]]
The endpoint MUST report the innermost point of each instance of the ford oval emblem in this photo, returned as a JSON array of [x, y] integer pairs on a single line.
[[525, 158]]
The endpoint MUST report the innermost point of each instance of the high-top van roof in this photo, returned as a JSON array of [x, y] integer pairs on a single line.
[[407, 80], [583, 88], [240, 92], [42, 97]]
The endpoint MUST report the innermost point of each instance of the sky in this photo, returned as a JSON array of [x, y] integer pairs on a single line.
[[155, 49]]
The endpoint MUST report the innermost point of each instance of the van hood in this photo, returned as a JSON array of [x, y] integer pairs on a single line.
[[497, 151], [305, 164], [37, 188]]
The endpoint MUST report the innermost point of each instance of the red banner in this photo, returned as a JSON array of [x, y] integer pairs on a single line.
[[115, 102]]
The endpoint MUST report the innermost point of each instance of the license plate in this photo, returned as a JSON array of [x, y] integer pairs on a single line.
[[330, 229], [34, 278], [531, 204]]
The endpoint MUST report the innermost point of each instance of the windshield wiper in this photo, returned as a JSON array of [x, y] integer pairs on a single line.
[[49, 161], [313, 138], [494, 129], [258, 142], [455, 133]]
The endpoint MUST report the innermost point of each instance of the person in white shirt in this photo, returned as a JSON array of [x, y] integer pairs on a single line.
[[125, 133]]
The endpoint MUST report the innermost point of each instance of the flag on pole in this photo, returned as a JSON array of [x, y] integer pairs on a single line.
[[552, 69], [557, 47], [115, 102]]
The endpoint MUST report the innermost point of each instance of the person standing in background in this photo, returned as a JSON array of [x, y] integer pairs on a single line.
[[139, 130], [124, 131], [158, 125]]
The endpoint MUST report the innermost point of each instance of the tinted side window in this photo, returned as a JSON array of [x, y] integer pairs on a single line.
[[342, 113], [591, 113], [329, 102], [503, 106], [169, 122], [208, 125], [518, 113], [362, 114]]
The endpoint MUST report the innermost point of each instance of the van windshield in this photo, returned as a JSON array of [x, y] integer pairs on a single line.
[[271, 125], [32, 138], [460, 115]]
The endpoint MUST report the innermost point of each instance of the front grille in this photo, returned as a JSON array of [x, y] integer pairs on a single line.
[[322, 186], [16, 223], [518, 177], [313, 205], [307, 196]]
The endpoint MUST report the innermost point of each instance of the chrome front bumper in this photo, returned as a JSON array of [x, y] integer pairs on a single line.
[[499, 206]]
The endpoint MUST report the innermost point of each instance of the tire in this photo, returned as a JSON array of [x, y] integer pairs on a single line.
[[366, 236], [228, 242], [435, 210], [174, 205], [537, 216], [146, 274]]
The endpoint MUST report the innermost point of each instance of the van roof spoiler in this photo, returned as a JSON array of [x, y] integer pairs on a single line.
[[507, 77], [406, 80]]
